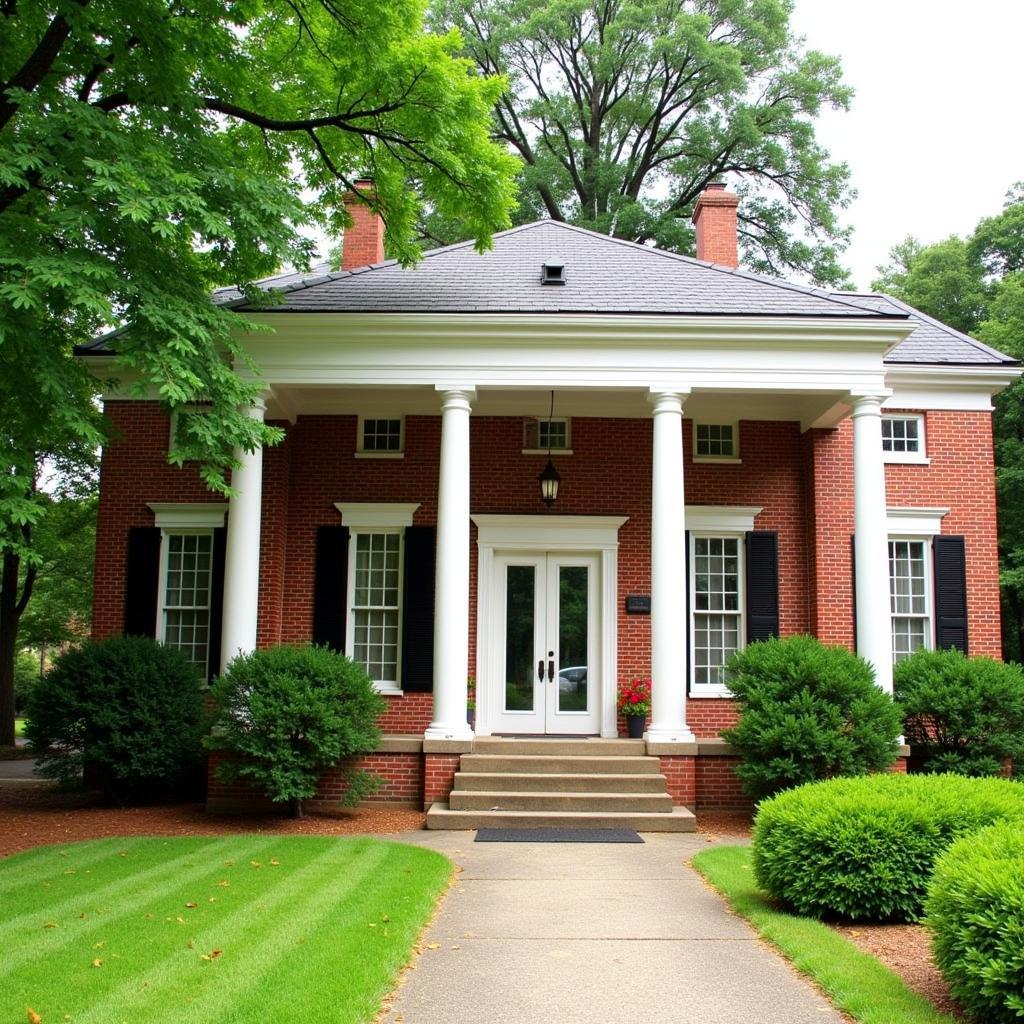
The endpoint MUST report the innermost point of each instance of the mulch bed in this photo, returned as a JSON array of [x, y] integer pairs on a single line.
[[906, 950], [34, 815], [715, 825]]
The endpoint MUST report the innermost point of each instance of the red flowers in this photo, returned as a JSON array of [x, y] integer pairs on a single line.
[[635, 697]]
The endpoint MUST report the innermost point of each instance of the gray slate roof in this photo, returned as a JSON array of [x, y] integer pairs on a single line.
[[603, 275]]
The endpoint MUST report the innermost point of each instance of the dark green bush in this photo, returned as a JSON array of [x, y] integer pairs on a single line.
[[807, 712], [976, 913], [286, 714], [125, 711], [864, 849], [963, 715]]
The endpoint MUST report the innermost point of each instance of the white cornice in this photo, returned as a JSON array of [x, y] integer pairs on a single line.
[[914, 521], [174, 515], [730, 518], [376, 513]]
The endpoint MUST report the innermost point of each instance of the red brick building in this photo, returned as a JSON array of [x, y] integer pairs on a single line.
[[737, 457]]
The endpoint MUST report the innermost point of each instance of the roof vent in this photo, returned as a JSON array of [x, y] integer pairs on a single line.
[[552, 273]]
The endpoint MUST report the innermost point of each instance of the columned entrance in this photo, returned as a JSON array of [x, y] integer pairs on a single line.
[[546, 607]]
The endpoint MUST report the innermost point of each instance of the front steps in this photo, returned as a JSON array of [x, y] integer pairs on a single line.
[[559, 783]]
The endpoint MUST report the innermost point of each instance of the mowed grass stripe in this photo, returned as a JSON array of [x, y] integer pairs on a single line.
[[111, 907], [84, 892], [369, 958], [22, 872], [138, 953]]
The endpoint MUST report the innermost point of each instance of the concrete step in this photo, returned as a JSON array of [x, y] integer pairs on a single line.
[[583, 746], [561, 782], [440, 816], [560, 765], [581, 801]]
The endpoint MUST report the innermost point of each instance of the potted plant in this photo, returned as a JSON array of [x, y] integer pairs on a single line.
[[471, 701], [635, 704]]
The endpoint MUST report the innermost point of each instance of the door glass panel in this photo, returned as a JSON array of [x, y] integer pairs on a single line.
[[519, 632], [572, 637]]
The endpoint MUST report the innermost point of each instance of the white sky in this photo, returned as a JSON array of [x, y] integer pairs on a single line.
[[935, 135]]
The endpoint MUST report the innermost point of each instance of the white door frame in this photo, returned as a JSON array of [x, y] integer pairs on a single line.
[[554, 534]]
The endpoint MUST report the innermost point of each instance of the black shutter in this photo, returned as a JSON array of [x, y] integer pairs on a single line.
[[762, 585], [220, 543], [142, 580], [418, 609], [950, 592], [330, 587]]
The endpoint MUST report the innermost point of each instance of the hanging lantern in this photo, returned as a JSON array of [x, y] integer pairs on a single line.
[[549, 480]]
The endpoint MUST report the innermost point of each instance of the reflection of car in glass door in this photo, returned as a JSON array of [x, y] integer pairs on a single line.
[[572, 688]]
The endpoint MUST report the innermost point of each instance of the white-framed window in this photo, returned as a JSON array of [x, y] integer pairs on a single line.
[[183, 613], [381, 437], [539, 435], [716, 607], [909, 595], [376, 559], [375, 604], [903, 437], [716, 442]]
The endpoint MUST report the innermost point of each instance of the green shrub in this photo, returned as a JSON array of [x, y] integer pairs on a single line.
[[125, 711], [807, 712], [26, 675], [286, 714], [963, 715], [976, 913], [864, 848]]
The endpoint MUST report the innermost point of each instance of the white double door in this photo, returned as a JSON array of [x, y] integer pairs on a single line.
[[547, 644]]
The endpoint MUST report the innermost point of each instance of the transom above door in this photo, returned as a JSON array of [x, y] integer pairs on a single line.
[[547, 643]]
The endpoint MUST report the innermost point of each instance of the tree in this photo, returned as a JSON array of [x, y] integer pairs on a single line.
[[977, 286], [152, 151], [624, 110]]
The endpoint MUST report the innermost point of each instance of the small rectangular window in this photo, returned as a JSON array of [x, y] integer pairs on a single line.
[[908, 597], [379, 435], [903, 437], [375, 603], [185, 610], [542, 434], [717, 607], [715, 441]]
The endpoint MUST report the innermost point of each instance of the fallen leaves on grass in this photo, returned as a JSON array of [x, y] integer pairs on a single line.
[[212, 955], [33, 1017]]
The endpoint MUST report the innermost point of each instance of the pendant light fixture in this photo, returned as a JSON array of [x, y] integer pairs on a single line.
[[549, 478]]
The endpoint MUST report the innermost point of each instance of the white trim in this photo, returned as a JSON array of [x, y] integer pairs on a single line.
[[183, 516], [716, 460], [544, 451], [721, 519], [550, 533], [379, 455], [376, 515], [910, 523]]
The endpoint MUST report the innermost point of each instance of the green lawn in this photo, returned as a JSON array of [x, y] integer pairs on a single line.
[[19, 727], [200, 930], [853, 980]]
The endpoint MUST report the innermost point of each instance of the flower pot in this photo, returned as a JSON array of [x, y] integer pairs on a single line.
[[635, 726]]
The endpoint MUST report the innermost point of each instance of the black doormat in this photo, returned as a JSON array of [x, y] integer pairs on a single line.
[[557, 835]]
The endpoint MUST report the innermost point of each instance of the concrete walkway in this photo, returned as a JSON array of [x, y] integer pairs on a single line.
[[22, 770], [533, 933]]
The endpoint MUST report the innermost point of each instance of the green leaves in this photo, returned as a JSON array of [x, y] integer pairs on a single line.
[[623, 112]]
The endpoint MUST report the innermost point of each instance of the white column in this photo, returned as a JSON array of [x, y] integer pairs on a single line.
[[451, 603], [871, 542], [669, 628], [242, 554]]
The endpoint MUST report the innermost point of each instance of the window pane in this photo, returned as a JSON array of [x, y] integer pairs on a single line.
[[715, 439], [908, 597], [901, 434], [186, 595], [382, 435], [716, 620], [375, 604], [552, 434], [519, 638]]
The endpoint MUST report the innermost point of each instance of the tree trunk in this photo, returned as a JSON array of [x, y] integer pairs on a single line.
[[296, 807], [9, 616]]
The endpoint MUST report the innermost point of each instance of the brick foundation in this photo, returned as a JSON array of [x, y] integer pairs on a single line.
[[438, 776], [681, 778]]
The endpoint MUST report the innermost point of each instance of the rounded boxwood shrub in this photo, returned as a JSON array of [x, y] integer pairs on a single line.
[[126, 712], [961, 714], [286, 714], [806, 712], [975, 910], [864, 849]]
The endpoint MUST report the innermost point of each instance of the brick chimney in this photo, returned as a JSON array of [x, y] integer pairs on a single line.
[[363, 242], [714, 217]]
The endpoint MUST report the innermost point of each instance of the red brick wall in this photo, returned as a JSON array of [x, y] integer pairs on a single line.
[[438, 776], [707, 717], [717, 785], [681, 779], [960, 477]]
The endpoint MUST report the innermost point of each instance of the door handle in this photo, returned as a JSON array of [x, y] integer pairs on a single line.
[[551, 666], [540, 670]]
